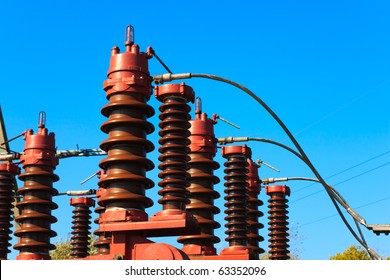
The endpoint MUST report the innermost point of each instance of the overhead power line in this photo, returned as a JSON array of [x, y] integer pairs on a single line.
[[345, 170], [335, 215], [339, 183]]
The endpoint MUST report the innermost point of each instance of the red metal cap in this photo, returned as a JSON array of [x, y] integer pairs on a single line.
[[236, 150], [278, 189], [131, 59], [160, 92], [41, 140], [202, 135], [128, 71], [10, 168], [202, 125], [39, 148], [82, 201]]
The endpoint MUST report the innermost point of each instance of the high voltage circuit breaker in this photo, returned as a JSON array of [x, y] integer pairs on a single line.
[[186, 188]]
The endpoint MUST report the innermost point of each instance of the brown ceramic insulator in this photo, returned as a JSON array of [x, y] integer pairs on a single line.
[[202, 196], [81, 226], [253, 210], [126, 163], [236, 196], [7, 173], [278, 222], [254, 225], [102, 244], [174, 125], [203, 148], [99, 193], [128, 88], [35, 210]]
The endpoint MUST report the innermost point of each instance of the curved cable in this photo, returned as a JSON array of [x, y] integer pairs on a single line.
[[226, 140], [169, 77]]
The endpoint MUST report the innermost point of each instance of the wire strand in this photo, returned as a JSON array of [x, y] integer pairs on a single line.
[[345, 170], [339, 183]]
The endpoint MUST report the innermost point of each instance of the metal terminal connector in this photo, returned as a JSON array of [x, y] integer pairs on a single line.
[[160, 79], [379, 229], [78, 193], [259, 162], [215, 116]]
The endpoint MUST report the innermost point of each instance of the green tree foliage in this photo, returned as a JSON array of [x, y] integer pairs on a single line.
[[265, 256], [352, 253], [62, 251]]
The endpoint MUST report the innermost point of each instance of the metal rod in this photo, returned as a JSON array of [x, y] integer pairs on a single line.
[[228, 122], [162, 63]]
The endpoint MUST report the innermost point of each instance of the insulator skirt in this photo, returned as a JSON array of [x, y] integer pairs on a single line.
[[174, 149], [80, 231], [35, 208], [126, 163], [278, 227], [202, 196], [236, 200], [6, 199], [253, 223]]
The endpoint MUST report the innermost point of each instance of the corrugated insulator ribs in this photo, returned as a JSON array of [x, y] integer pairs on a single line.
[[7, 174], [102, 244], [128, 89], [81, 226], [253, 210], [39, 160], [174, 142], [278, 230], [203, 148], [236, 194]]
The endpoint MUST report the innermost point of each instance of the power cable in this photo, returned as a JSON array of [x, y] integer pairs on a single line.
[[161, 62], [339, 183], [345, 170], [342, 107], [169, 77], [227, 140], [335, 215]]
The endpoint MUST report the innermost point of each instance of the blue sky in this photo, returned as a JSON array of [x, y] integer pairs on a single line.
[[322, 66]]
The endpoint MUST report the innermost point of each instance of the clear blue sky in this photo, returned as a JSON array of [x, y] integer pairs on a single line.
[[322, 66]]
